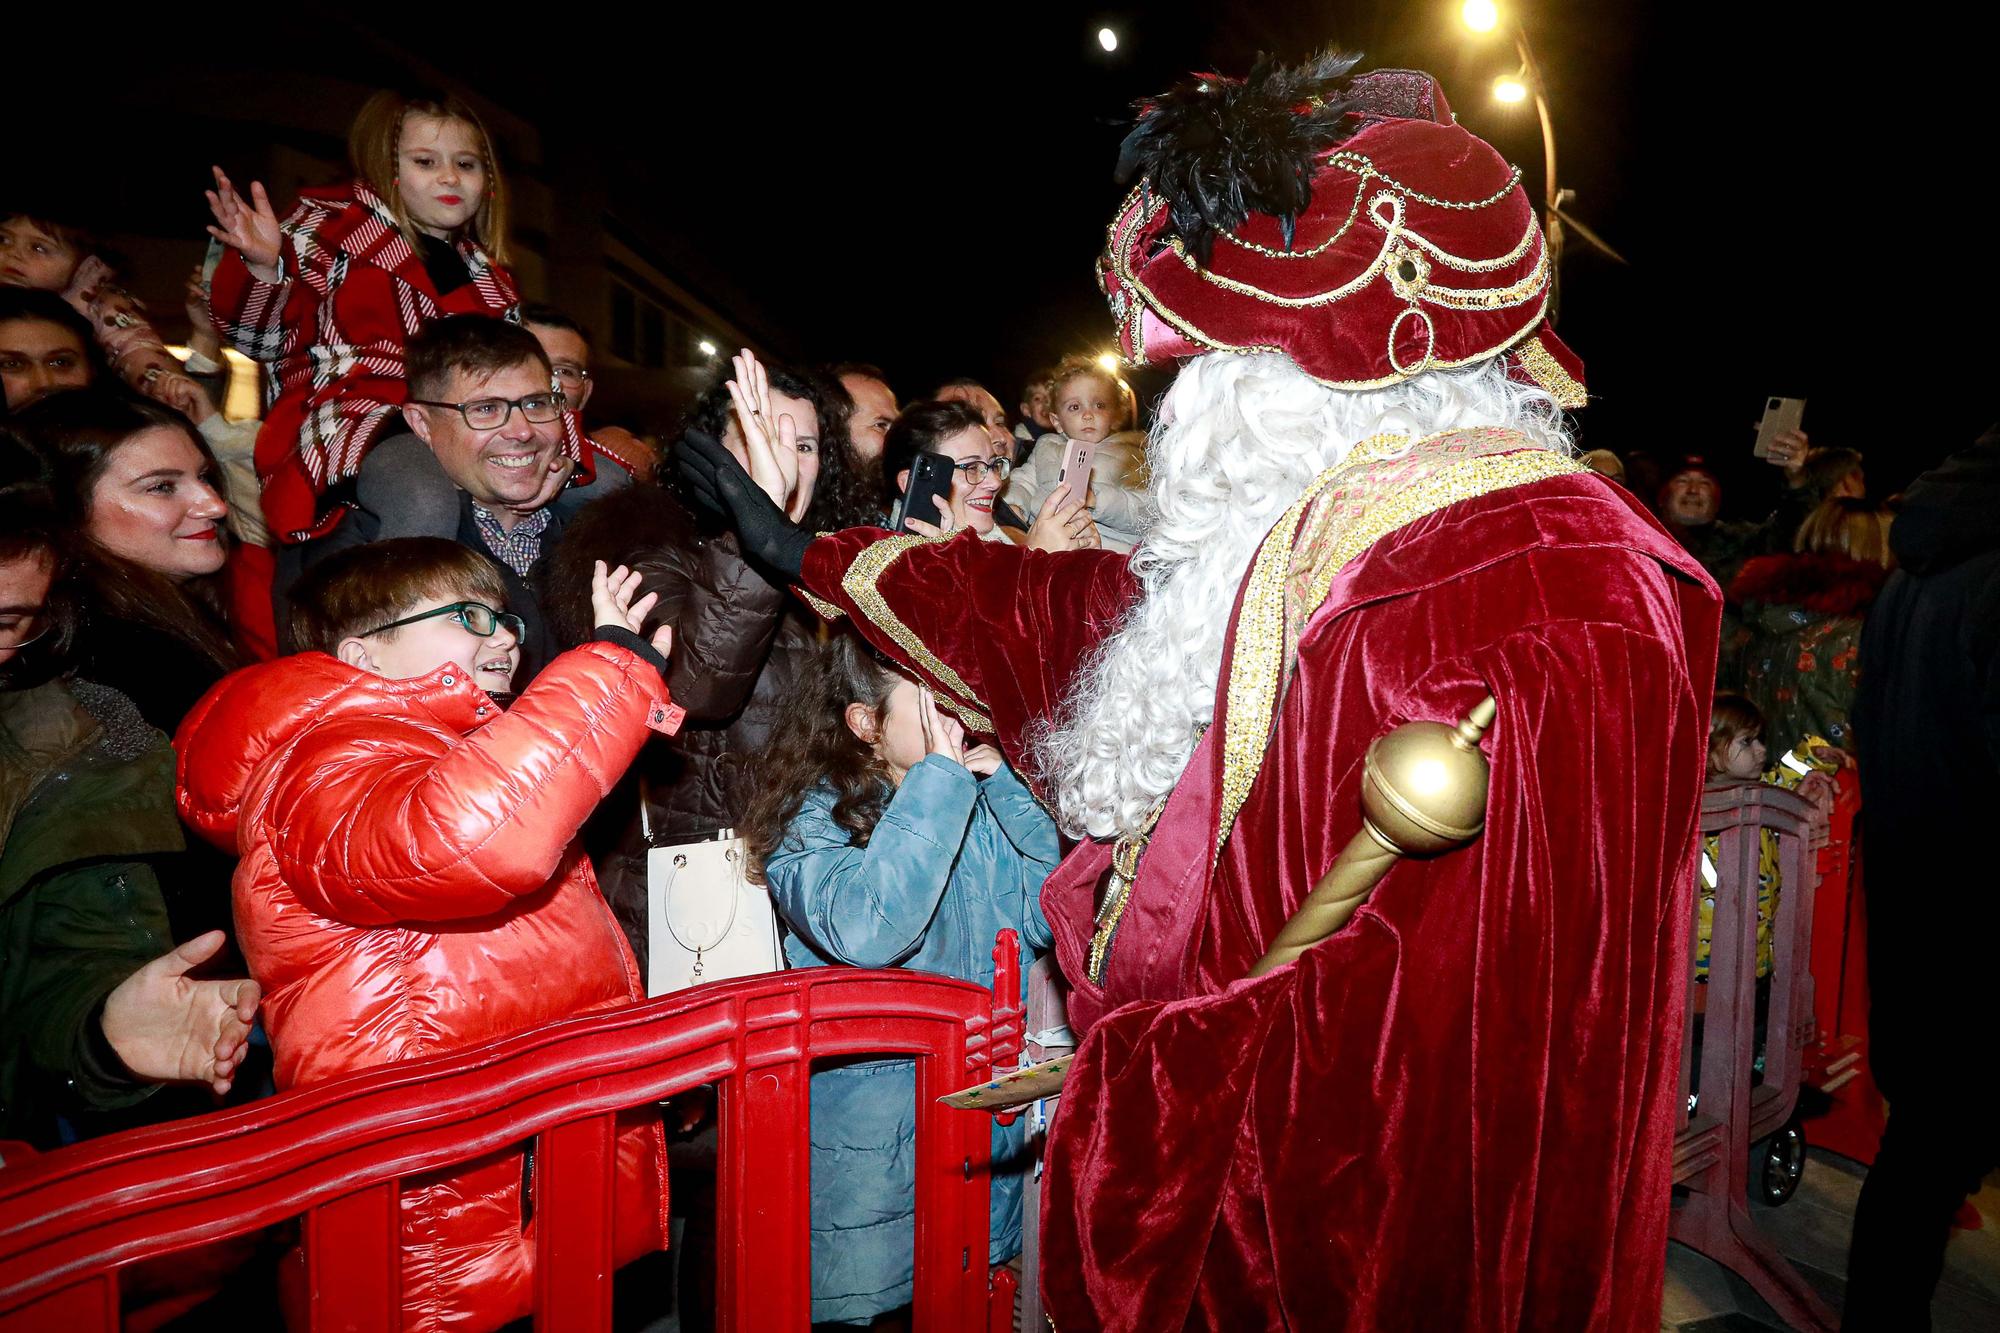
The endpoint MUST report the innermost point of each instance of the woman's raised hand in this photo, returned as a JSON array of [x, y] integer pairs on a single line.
[[249, 227], [1063, 524], [772, 446], [944, 527]]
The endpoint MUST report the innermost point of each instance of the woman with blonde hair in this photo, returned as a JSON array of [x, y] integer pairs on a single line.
[[330, 297]]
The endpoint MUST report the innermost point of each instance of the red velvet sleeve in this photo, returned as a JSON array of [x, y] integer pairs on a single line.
[[997, 630]]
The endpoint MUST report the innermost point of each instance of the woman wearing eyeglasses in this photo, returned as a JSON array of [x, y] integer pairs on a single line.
[[957, 431]]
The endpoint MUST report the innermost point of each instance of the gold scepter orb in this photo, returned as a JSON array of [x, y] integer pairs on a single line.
[[1423, 791]]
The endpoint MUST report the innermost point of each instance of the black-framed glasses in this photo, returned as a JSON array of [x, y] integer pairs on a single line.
[[492, 413], [974, 470], [477, 617]]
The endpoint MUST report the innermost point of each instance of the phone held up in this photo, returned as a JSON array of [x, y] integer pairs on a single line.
[[930, 477], [1075, 473], [1780, 415]]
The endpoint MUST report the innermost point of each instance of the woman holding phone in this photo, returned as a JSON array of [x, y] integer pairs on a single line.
[[958, 432]]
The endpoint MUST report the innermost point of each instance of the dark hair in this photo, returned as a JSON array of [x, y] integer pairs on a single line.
[[1826, 468], [1732, 716], [64, 230], [960, 382], [477, 345], [30, 525], [836, 502], [26, 303], [812, 745], [77, 432], [917, 430], [352, 591], [549, 317], [859, 369]]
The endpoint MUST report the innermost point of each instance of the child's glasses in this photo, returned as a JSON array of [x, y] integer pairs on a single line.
[[477, 617]]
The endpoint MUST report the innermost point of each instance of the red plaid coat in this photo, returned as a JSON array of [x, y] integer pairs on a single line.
[[351, 292]]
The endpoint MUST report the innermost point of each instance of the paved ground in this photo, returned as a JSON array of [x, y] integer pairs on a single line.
[[1812, 1230]]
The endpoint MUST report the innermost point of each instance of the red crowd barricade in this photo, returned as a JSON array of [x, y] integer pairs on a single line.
[[1712, 1149], [1837, 1061], [332, 1154]]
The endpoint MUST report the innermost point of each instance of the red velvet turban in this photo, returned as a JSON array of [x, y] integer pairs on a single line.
[[1415, 247]]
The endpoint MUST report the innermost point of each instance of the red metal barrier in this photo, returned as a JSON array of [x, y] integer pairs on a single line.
[[333, 1153], [1837, 1061], [1712, 1149]]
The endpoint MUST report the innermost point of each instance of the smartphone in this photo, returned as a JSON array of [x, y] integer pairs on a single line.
[[1780, 415], [1075, 470], [931, 475]]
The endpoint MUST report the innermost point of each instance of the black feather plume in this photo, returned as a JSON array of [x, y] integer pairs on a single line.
[[1221, 149]]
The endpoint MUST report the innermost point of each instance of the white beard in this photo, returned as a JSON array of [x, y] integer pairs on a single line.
[[1239, 440]]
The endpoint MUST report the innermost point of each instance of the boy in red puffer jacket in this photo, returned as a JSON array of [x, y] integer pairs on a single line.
[[410, 882]]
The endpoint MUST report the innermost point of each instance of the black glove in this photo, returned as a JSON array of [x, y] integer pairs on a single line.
[[718, 483]]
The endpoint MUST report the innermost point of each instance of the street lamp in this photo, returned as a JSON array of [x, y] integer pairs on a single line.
[[1483, 16]]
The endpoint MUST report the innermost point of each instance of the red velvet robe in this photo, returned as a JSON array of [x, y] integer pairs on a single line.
[[1458, 1112]]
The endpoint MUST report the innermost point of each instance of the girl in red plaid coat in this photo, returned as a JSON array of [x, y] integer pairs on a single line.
[[330, 298]]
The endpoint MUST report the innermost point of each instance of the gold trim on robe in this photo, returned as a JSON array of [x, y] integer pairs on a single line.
[[859, 583]]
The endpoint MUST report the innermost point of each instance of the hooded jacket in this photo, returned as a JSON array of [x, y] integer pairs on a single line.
[[410, 884], [1928, 725]]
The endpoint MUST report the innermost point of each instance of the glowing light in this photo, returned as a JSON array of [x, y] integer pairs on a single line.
[[1109, 361], [1107, 39], [707, 347], [1428, 777], [1481, 15], [1509, 89]]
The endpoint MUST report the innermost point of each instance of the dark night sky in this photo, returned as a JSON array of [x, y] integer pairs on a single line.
[[926, 187]]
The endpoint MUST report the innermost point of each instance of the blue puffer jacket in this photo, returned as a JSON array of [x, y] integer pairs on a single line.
[[954, 860]]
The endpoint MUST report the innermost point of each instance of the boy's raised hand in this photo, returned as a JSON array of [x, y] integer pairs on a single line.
[[612, 607]]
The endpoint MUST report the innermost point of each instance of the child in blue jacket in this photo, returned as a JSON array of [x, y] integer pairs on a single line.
[[886, 842]]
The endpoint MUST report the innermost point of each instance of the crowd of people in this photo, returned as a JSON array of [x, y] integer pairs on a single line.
[[320, 732]]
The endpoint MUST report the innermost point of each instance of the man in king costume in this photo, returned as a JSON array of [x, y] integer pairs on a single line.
[[1457, 1111]]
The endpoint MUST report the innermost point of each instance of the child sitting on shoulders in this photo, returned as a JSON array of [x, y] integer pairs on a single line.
[[887, 842]]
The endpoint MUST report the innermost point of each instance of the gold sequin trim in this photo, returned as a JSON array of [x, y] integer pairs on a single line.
[[827, 610], [1548, 372], [859, 585], [1374, 500]]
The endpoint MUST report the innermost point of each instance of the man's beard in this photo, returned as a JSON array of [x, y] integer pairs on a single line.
[[1241, 437]]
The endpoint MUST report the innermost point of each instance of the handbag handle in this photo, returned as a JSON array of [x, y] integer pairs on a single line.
[[667, 909]]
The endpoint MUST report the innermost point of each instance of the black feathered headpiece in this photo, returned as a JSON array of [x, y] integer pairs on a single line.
[[1220, 149]]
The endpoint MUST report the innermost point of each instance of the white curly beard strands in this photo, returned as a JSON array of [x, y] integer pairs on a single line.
[[1239, 439]]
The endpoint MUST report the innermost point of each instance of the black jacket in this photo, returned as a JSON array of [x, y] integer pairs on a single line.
[[1927, 723], [738, 641]]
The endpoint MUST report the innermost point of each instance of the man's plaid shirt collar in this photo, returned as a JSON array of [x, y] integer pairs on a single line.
[[521, 547]]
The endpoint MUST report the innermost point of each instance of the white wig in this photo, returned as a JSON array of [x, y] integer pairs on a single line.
[[1239, 439]]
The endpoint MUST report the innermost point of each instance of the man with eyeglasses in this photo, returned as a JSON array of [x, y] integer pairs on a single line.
[[567, 343], [481, 466]]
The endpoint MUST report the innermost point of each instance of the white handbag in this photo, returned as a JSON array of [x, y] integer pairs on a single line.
[[705, 920]]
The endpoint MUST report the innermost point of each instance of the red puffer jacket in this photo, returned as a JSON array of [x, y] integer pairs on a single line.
[[410, 884]]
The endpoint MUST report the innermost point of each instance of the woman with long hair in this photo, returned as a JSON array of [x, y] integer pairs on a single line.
[[141, 496], [330, 297]]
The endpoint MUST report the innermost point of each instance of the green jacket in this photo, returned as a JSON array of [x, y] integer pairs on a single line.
[[86, 800]]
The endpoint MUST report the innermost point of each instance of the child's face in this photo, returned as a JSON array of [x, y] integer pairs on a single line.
[[439, 640], [1086, 408], [1743, 758], [897, 734], [440, 174], [30, 257]]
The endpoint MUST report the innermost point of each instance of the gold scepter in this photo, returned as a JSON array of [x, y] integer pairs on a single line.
[[1423, 792]]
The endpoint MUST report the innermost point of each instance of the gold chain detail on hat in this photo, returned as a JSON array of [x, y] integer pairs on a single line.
[[1364, 171], [1351, 519], [859, 584], [1525, 288]]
